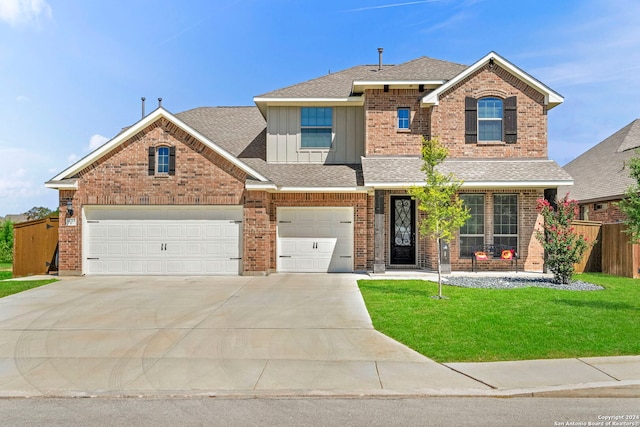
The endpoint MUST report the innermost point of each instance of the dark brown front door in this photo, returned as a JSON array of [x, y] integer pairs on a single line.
[[403, 230]]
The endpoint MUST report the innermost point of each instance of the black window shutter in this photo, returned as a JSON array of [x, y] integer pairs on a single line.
[[172, 160], [152, 160], [470, 120], [510, 120]]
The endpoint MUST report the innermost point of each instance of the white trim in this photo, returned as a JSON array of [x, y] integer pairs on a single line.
[[144, 122], [551, 97], [62, 185]]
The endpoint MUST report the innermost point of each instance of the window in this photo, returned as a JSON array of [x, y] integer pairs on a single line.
[[505, 220], [490, 119], [316, 127], [162, 160], [472, 232], [403, 118]]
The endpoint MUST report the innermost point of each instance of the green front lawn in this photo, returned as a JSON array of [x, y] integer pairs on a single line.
[[13, 287], [516, 324]]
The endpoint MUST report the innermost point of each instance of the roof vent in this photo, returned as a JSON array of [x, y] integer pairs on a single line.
[[380, 58], [143, 99]]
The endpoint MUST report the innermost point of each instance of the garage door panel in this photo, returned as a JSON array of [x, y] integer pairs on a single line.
[[161, 240], [315, 239]]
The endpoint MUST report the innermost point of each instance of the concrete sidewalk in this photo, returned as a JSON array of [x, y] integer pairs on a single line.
[[283, 335]]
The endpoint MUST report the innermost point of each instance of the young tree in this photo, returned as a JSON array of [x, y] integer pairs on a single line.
[[563, 246], [438, 199], [630, 205]]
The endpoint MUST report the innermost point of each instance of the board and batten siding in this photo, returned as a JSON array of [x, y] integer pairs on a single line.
[[283, 137]]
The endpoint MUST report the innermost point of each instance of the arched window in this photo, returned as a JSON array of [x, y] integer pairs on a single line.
[[162, 160], [490, 119]]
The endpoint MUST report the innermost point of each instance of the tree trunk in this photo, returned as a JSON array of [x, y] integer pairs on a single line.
[[439, 269]]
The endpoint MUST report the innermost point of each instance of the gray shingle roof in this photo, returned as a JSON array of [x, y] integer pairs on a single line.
[[397, 170], [339, 85], [599, 173], [242, 132]]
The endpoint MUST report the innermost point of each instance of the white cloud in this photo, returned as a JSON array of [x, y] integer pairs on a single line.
[[22, 98], [96, 141], [21, 186], [24, 12]]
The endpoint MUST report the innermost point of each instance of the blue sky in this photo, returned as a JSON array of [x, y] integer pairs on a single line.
[[72, 72]]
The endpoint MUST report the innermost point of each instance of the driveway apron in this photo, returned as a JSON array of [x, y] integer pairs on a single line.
[[281, 334]]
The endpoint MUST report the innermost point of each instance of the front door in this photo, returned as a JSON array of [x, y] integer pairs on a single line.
[[403, 230]]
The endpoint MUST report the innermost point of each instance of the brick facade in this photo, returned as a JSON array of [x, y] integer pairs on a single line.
[[447, 118], [203, 177], [530, 251], [605, 212]]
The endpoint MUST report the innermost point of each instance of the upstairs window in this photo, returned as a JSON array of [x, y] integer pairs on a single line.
[[403, 118], [490, 119], [316, 127], [162, 160]]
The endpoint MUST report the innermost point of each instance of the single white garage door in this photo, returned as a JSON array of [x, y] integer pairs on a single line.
[[315, 240], [192, 240]]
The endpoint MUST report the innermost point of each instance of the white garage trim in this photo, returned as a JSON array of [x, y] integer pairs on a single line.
[[162, 240], [315, 239]]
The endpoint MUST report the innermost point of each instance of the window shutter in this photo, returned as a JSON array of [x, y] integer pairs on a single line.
[[172, 160], [152, 160], [470, 120], [510, 120]]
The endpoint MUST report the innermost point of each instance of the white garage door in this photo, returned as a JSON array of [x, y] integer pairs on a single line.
[[192, 240], [315, 240]]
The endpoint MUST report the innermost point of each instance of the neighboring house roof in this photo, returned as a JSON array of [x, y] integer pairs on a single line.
[[400, 172], [551, 97], [15, 218], [600, 172]]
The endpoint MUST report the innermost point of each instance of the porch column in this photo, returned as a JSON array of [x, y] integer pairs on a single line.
[[378, 232]]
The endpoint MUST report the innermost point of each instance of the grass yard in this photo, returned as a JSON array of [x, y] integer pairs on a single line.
[[515, 324], [13, 287]]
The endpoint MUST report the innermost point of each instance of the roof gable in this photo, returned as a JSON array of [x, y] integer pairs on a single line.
[[551, 98], [65, 178], [631, 139]]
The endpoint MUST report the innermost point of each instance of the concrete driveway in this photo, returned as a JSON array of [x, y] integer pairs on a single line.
[[275, 335]]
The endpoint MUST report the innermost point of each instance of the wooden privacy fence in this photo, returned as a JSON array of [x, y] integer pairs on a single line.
[[612, 253], [619, 257], [592, 258], [35, 247]]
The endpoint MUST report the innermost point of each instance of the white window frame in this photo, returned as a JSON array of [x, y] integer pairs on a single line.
[[490, 119], [302, 127], [401, 120], [158, 171]]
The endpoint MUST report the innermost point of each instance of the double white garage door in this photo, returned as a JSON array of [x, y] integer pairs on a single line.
[[207, 240], [190, 240]]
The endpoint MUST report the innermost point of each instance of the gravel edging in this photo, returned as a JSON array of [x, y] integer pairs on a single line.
[[516, 282]]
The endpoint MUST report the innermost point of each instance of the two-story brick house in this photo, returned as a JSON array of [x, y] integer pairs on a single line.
[[314, 177]]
